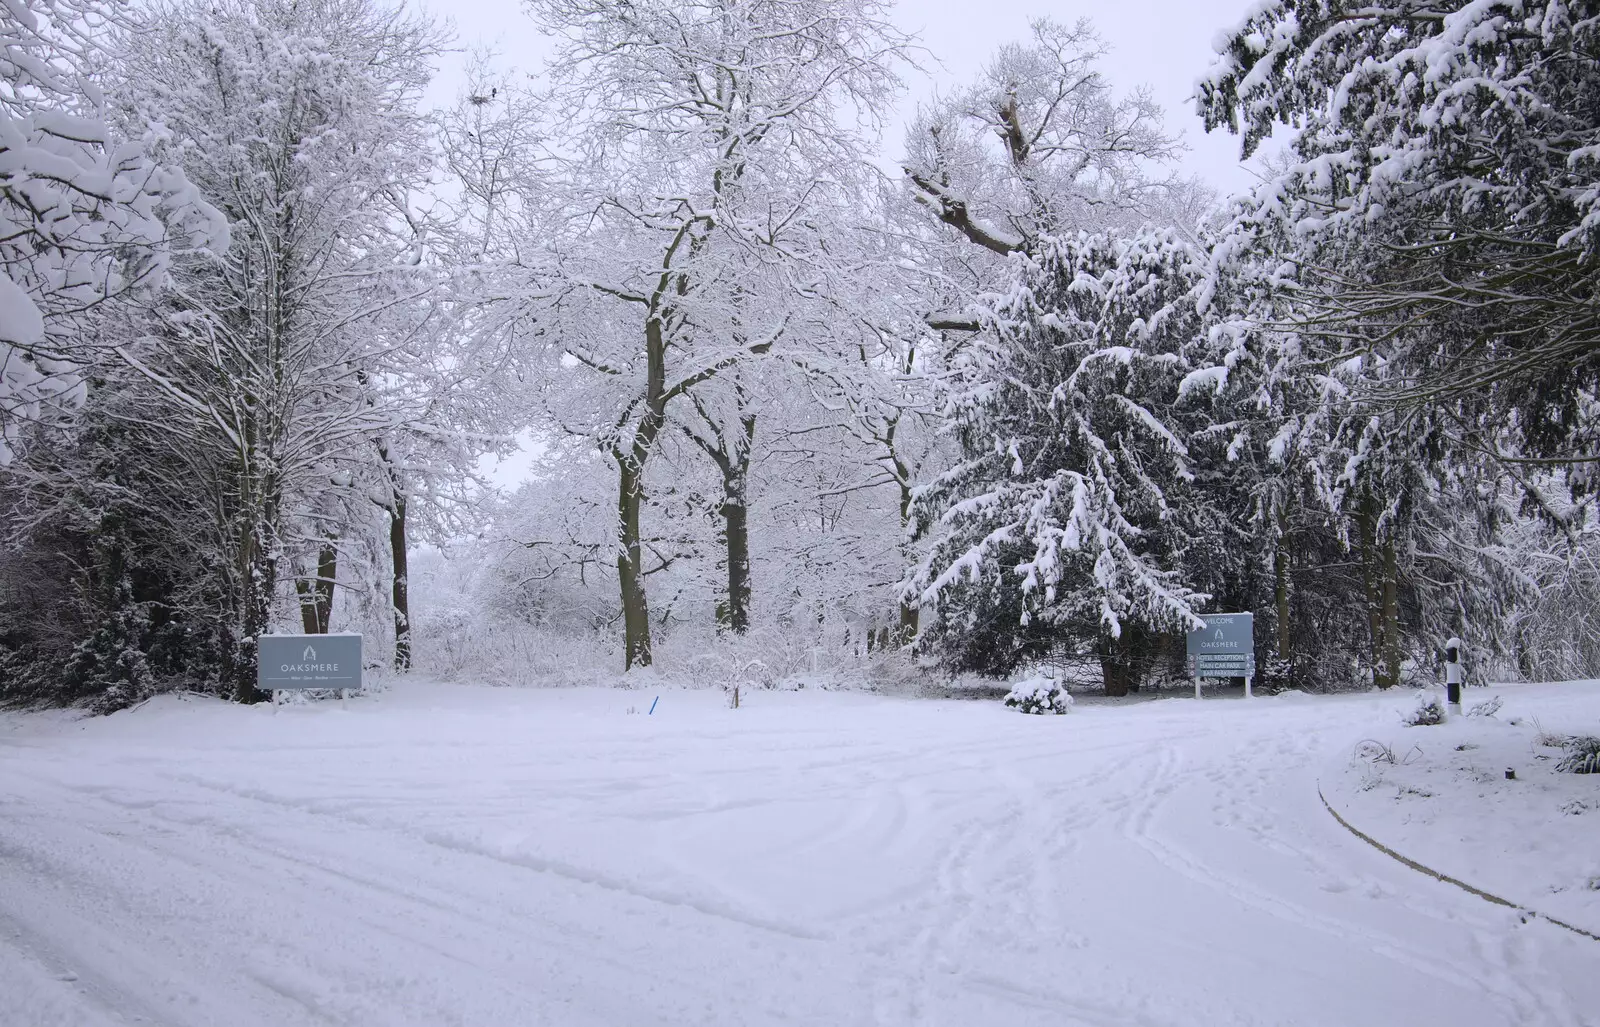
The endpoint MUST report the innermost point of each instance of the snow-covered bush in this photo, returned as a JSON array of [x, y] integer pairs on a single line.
[[1548, 739], [1487, 708], [1039, 695], [1374, 751], [1428, 711], [1582, 756]]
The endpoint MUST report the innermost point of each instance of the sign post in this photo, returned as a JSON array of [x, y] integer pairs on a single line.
[[297, 662], [1224, 648]]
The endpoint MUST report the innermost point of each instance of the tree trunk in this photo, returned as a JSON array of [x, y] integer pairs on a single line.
[[732, 457], [1116, 655], [1391, 612], [401, 589], [1372, 585], [399, 573], [1280, 597], [910, 615], [630, 572], [316, 595], [736, 535], [306, 590], [1135, 645], [258, 578], [631, 460], [327, 576], [1113, 675]]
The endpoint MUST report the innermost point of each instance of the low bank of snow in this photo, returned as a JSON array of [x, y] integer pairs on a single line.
[[1446, 802], [459, 855]]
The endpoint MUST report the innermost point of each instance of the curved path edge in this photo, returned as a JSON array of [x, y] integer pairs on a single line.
[[1446, 878]]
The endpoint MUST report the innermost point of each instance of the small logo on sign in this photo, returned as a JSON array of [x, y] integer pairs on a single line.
[[310, 655], [1220, 636]]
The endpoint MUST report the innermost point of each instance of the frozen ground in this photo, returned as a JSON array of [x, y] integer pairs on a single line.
[[455, 855]]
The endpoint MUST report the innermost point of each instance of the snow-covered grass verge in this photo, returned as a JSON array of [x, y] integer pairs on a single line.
[[1441, 795]]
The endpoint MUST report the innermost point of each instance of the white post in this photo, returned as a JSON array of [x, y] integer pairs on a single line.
[[1248, 680], [1197, 684], [343, 694], [274, 702]]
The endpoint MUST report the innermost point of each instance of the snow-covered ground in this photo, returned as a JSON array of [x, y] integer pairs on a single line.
[[1445, 801], [459, 855]]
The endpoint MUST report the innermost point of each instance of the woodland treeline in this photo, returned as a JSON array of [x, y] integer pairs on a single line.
[[266, 318]]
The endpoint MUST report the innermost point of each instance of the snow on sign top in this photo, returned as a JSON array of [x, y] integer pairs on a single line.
[[1225, 634], [308, 661]]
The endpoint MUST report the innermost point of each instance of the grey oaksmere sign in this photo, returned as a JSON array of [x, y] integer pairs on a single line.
[[1225, 634], [1224, 648], [308, 661]]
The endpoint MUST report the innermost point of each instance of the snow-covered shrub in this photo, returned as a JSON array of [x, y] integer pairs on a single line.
[[1548, 739], [1582, 756], [1374, 751], [1428, 711], [761, 658], [1488, 708], [1277, 676], [1039, 695], [731, 671], [109, 665], [494, 649]]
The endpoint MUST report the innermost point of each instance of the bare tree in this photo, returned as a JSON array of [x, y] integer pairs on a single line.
[[1040, 143], [300, 120], [693, 140]]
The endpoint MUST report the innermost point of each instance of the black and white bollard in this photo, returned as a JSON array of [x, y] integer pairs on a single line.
[[1452, 673]]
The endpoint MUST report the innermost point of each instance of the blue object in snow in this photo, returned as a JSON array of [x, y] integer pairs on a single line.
[[653, 704]]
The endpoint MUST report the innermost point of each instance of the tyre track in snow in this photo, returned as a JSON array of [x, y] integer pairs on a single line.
[[81, 998], [455, 927], [237, 850], [203, 843], [1126, 797], [1239, 782], [572, 873], [991, 881], [227, 874], [927, 973]]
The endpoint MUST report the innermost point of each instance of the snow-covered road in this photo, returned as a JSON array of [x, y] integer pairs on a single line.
[[454, 855]]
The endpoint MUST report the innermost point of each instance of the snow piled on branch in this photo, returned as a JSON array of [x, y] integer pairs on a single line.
[[1394, 108], [83, 215]]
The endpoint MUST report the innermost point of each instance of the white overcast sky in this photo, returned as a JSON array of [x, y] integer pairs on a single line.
[[1163, 44]]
